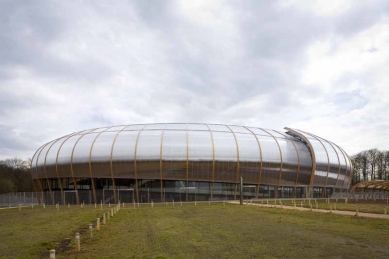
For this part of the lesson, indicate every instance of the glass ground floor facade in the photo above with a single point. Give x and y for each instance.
(145, 191)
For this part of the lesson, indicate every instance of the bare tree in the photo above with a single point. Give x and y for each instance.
(372, 157)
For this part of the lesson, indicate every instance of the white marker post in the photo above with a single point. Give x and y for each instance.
(91, 230)
(52, 254)
(78, 246)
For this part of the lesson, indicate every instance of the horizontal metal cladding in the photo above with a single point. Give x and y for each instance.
(195, 152)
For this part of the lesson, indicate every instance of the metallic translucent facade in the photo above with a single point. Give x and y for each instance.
(189, 152)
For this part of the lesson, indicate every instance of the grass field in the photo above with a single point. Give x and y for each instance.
(27, 234)
(196, 232)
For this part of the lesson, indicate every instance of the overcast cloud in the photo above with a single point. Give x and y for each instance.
(319, 66)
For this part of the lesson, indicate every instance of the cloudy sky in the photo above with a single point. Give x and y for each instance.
(319, 66)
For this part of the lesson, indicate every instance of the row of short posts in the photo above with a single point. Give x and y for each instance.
(106, 216)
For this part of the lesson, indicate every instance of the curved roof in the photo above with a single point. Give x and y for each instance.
(371, 185)
(196, 152)
(332, 166)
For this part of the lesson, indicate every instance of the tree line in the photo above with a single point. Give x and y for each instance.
(370, 165)
(15, 175)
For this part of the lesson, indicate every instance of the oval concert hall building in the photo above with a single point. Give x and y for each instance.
(187, 162)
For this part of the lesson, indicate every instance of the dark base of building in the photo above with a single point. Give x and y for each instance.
(146, 191)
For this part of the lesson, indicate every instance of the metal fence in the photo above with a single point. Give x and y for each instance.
(146, 195)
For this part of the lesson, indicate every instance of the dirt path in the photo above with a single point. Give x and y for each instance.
(341, 212)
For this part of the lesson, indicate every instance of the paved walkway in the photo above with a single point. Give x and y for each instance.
(340, 212)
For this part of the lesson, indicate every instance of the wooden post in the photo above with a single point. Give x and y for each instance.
(98, 224)
(44, 206)
(109, 205)
(173, 203)
(108, 215)
(78, 246)
(57, 207)
(104, 219)
(20, 206)
(69, 205)
(52, 254)
(152, 204)
(95, 206)
(101, 204)
(111, 212)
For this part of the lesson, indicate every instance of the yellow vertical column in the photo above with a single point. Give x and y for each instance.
(91, 171)
(237, 166)
(111, 165)
(260, 161)
(135, 166)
